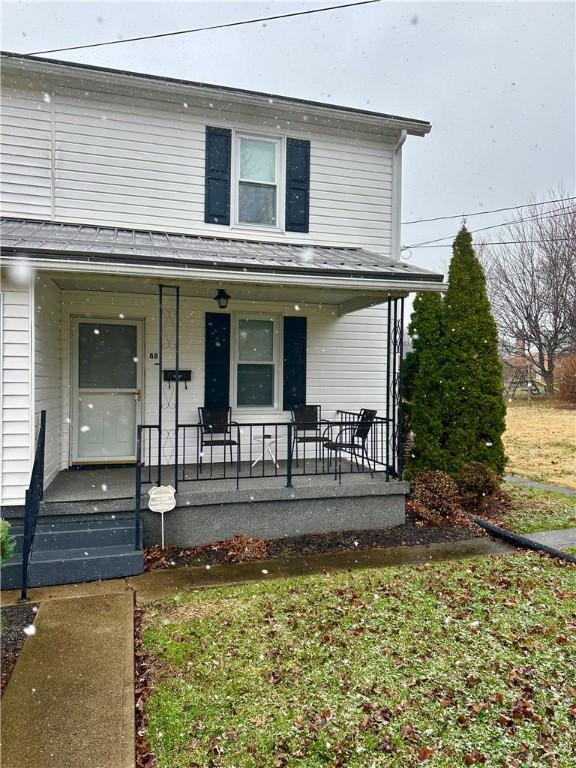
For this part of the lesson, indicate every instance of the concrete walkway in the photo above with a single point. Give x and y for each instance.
(560, 539)
(154, 585)
(517, 480)
(157, 584)
(70, 700)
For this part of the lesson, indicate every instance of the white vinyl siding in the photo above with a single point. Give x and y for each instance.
(120, 159)
(16, 397)
(27, 154)
(48, 368)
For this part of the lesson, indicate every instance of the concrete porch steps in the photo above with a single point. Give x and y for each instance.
(67, 551)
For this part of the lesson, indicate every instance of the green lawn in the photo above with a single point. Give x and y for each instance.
(450, 664)
(535, 510)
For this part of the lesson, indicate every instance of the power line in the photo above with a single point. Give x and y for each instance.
(499, 242)
(207, 29)
(492, 226)
(484, 213)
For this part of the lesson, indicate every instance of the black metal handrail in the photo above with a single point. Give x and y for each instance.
(255, 450)
(265, 450)
(34, 496)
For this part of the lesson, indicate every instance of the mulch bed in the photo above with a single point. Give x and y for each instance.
(243, 548)
(14, 619)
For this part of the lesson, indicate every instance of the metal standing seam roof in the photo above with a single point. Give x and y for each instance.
(87, 241)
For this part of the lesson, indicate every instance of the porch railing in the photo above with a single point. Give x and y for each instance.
(34, 496)
(281, 450)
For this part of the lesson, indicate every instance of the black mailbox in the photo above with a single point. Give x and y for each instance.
(169, 374)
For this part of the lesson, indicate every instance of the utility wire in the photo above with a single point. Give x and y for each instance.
(484, 213)
(499, 242)
(206, 29)
(492, 226)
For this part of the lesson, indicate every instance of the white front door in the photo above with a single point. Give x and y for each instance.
(106, 389)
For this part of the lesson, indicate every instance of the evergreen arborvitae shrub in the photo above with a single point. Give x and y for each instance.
(6, 541)
(426, 389)
(473, 395)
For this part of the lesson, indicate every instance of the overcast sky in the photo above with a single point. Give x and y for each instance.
(496, 80)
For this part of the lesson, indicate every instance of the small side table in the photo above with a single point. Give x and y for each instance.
(268, 444)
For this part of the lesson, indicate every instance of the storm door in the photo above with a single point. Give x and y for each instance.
(107, 389)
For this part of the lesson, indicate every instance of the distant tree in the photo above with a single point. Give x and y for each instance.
(532, 283)
(424, 383)
(473, 409)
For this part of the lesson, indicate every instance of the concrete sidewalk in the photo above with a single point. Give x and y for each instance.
(560, 539)
(70, 701)
(517, 480)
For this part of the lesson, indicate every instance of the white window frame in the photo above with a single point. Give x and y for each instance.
(235, 360)
(280, 142)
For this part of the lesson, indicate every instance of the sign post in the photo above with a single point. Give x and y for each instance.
(162, 499)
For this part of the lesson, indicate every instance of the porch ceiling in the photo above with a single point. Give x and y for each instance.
(206, 289)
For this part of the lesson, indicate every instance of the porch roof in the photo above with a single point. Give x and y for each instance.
(52, 241)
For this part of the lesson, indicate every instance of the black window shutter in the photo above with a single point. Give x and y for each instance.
(217, 175)
(217, 361)
(297, 185)
(294, 362)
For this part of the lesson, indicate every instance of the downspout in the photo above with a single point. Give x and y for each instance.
(397, 193)
(401, 140)
(522, 541)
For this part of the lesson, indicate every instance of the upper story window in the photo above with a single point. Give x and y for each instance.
(256, 181)
(258, 177)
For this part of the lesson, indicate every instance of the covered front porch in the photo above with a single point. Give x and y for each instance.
(125, 367)
(139, 337)
(132, 366)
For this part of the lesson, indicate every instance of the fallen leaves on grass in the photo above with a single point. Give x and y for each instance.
(460, 663)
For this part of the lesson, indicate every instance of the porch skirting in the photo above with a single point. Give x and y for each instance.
(273, 513)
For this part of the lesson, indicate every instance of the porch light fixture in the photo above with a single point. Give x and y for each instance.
(222, 298)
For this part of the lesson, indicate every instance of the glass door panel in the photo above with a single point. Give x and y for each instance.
(107, 390)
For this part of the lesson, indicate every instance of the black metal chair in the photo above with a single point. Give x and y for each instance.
(216, 431)
(351, 438)
(307, 423)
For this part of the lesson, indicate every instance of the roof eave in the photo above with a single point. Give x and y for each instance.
(412, 126)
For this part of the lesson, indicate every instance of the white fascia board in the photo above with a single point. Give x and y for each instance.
(151, 84)
(404, 285)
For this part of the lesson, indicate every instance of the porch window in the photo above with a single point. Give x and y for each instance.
(255, 362)
(257, 164)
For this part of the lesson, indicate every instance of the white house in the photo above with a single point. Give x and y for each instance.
(115, 184)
